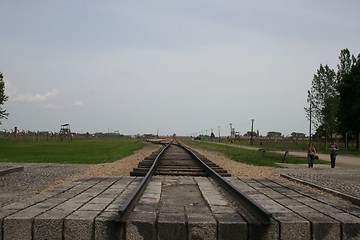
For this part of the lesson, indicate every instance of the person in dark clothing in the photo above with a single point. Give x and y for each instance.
(333, 152)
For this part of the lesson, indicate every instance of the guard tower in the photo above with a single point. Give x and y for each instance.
(65, 132)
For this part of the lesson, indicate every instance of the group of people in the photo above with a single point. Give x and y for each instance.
(311, 154)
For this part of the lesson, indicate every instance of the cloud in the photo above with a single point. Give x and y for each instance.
(28, 97)
(49, 106)
(75, 104)
(78, 104)
(10, 89)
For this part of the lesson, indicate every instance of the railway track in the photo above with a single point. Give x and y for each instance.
(177, 160)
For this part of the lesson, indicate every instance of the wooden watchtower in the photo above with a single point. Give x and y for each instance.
(65, 132)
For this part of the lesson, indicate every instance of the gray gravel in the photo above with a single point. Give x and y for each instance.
(343, 180)
(35, 177)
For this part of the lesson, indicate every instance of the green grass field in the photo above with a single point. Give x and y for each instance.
(77, 151)
(92, 151)
(300, 145)
(250, 156)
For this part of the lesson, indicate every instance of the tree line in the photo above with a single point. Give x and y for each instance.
(334, 99)
(3, 97)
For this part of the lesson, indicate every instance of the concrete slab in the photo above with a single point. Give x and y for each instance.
(18, 227)
(172, 225)
(293, 226)
(17, 206)
(79, 225)
(66, 208)
(141, 225)
(3, 214)
(201, 226)
(48, 226)
(350, 225)
(231, 226)
(323, 226)
(177, 207)
(19, 224)
(311, 207)
(145, 208)
(119, 200)
(107, 226)
(257, 230)
(211, 194)
(223, 209)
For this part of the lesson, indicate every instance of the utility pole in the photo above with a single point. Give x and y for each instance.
(309, 117)
(310, 125)
(219, 132)
(252, 130)
(230, 130)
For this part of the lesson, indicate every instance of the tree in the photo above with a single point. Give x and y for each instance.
(3, 97)
(322, 100)
(255, 134)
(329, 113)
(297, 135)
(347, 62)
(273, 134)
(349, 102)
(331, 106)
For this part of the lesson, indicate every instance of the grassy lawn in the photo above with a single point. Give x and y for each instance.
(77, 151)
(253, 157)
(298, 146)
(277, 145)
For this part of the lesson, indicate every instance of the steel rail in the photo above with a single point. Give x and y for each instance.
(260, 212)
(129, 205)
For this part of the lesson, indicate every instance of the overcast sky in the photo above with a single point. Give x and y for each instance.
(181, 66)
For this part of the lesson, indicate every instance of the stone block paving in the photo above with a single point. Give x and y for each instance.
(304, 214)
(178, 208)
(69, 211)
(342, 180)
(32, 178)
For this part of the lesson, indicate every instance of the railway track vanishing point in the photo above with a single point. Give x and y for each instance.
(177, 160)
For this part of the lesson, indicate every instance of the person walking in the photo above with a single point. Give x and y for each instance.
(333, 152)
(311, 153)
